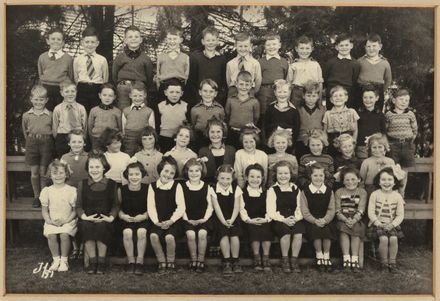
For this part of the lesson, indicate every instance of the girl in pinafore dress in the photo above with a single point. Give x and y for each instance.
(166, 205)
(350, 203)
(198, 211)
(97, 206)
(318, 209)
(254, 215)
(133, 215)
(228, 227)
(283, 206)
(58, 210)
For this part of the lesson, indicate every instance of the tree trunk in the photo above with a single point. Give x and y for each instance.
(198, 15)
(103, 19)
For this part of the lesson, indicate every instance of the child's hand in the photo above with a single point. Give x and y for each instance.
(106, 218)
(56, 222)
(288, 222)
(139, 218)
(166, 224)
(229, 223)
(192, 222)
(388, 227)
(204, 159)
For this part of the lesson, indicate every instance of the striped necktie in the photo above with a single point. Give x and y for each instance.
(73, 119)
(90, 68)
(241, 64)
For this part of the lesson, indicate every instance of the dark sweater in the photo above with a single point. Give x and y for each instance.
(288, 119)
(341, 72)
(139, 68)
(369, 123)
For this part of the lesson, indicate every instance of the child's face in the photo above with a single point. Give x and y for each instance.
(369, 99)
(401, 102)
(224, 179)
(207, 93)
(344, 47)
(55, 41)
(317, 177)
(69, 93)
(243, 86)
(115, 146)
(280, 144)
(183, 138)
(210, 41)
(96, 169)
(173, 93)
(304, 50)
(351, 181)
(271, 47)
(249, 143)
(283, 175)
(167, 174)
(347, 148)
(134, 176)
(107, 96)
(215, 134)
(339, 98)
(254, 178)
(133, 39)
(386, 181)
(194, 173)
(372, 48)
(310, 98)
(39, 101)
(76, 143)
(137, 97)
(243, 47)
(282, 93)
(90, 44)
(148, 142)
(58, 175)
(377, 149)
(316, 146)
(173, 41)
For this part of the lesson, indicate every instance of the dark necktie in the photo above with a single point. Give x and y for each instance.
(90, 68)
(52, 56)
(241, 64)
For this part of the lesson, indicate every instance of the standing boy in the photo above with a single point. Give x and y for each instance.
(374, 69)
(243, 62)
(342, 70)
(54, 66)
(90, 70)
(131, 65)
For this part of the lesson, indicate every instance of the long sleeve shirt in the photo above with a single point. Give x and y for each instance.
(250, 64)
(386, 208)
(100, 66)
(151, 201)
(62, 123)
(271, 204)
(53, 72)
(252, 193)
(243, 159)
(96, 186)
(401, 125)
(329, 215)
(378, 72)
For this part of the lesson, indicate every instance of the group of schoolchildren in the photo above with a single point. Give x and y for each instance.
(213, 177)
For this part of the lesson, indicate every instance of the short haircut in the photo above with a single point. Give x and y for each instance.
(186, 126)
(379, 138)
(132, 28)
(150, 131)
(109, 135)
(107, 86)
(174, 30)
(282, 133)
(303, 40)
(66, 83)
(279, 83)
(167, 160)
(54, 30)
(402, 92)
(272, 36)
(249, 131)
(343, 37)
(338, 88)
(337, 142)
(39, 90)
(318, 134)
(97, 154)
(59, 164)
(255, 166)
(194, 162)
(214, 121)
(284, 163)
(139, 86)
(242, 36)
(77, 132)
(374, 37)
(173, 82)
(370, 88)
(388, 170)
(315, 166)
(210, 82)
(135, 165)
(347, 170)
(90, 32)
(210, 30)
(225, 168)
(244, 76)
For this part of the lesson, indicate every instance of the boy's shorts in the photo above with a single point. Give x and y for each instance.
(39, 150)
(402, 151)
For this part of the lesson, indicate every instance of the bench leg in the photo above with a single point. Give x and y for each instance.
(361, 254)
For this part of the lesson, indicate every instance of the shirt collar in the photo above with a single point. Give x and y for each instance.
(66, 104)
(81, 153)
(310, 111)
(246, 57)
(167, 50)
(194, 187)
(348, 56)
(253, 191)
(90, 54)
(276, 56)
(219, 189)
(45, 111)
(211, 147)
(313, 188)
(167, 102)
(216, 53)
(290, 186)
(57, 53)
(106, 107)
(214, 104)
(163, 186)
(132, 53)
(133, 105)
(289, 106)
(404, 111)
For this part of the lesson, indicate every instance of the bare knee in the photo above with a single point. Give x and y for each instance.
(203, 234)
(65, 237)
(393, 240)
(127, 234)
(52, 238)
(141, 233)
(191, 235)
(169, 239)
(154, 238)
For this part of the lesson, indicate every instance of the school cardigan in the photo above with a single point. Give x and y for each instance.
(386, 208)
(339, 71)
(211, 169)
(53, 72)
